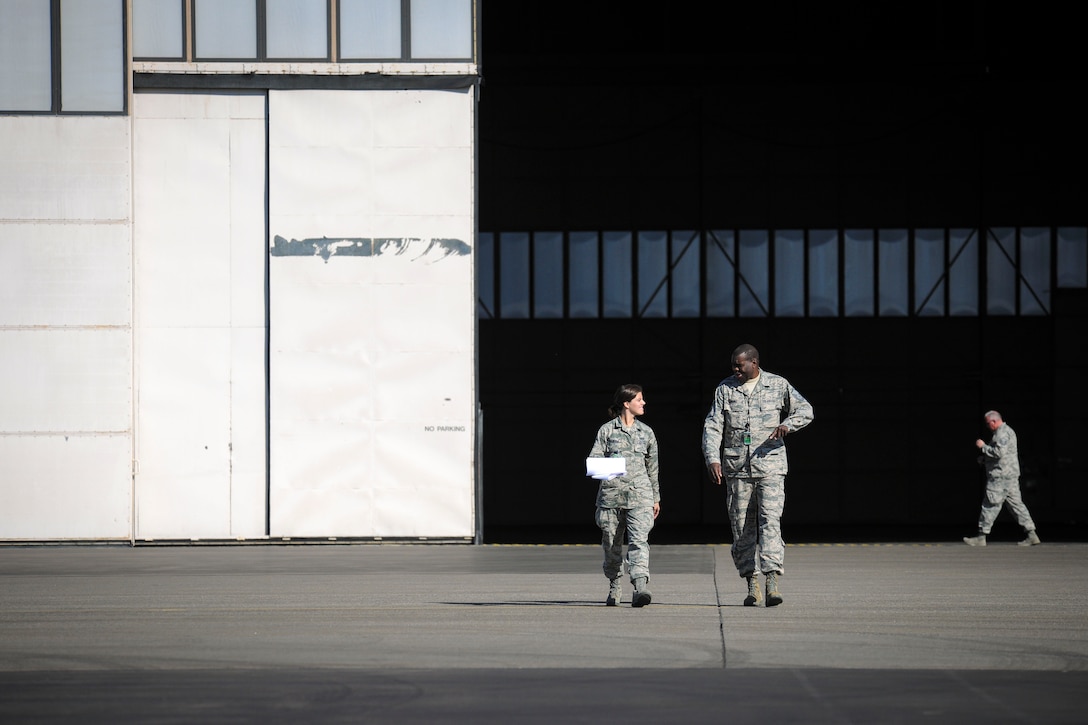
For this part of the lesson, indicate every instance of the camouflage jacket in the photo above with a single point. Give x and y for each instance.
(1000, 457)
(736, 417)
(638, 444)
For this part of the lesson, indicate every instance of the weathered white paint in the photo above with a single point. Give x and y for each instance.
(200, 320)
(372, 400)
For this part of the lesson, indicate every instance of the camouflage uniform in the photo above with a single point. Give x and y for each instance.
(736, 435)
(1001, 460)
(625, 504)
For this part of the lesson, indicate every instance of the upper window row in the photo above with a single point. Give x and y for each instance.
(778, 273)
(302, 30)
(69, 56)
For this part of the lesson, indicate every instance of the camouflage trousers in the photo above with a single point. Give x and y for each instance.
(1003, 491)
(755, 513)
(633, 525)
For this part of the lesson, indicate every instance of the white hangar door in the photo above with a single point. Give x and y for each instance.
(199, 310)
(371, 359)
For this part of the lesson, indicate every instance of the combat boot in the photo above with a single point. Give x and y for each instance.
(979, 540)
(615, 592)
(642, 595)
(755, 594)
(1031, 540)
(774, 598)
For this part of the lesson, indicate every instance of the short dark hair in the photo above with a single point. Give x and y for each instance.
(748, 351)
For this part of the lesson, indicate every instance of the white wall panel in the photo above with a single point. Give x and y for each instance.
(66, 487)
(438, 396)
(403, 487)
(248, 433)
(65, 328)
(248, 315)
(65, 274)
(183, 221)
(391, 332)
(183, 434)
(58, 380)
(372, 399)
(248, 248)
(414, 120)
(400, 170)
(64, 168)
(350, 167)
(200, 300)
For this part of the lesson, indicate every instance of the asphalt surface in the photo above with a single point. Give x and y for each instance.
(458, 633)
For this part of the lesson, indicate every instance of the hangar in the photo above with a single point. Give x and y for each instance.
(369, 270)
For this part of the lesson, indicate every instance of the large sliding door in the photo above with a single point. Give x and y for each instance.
(372, 317)
(200, 315)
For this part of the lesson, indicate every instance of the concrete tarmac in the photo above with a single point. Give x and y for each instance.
(425, 633)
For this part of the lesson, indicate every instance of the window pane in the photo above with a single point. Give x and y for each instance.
(963, 272)
(369, 29)
(583, 274)
(92, 55)
(225, 29)
(789, 273)
(720, 274)
(441, 29)
(157, 29)
(1034, 271)
(859, 248)
(929, 273)
(26, 82)
(1073, 257)
(653, 267)
(617, 274)
(823, 273)
(514, 275)
(485, 275)
(1001, 272)
(298, 29)
(893, 272)
(548, 274)
(754, 258)
(684, 280)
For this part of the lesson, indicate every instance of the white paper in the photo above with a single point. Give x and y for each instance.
(605, 469)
